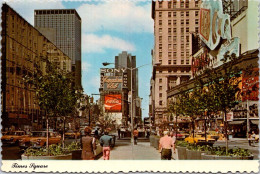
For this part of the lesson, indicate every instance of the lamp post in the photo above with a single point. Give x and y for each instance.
(131, 106)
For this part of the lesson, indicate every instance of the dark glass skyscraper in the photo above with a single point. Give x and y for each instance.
(67, 24)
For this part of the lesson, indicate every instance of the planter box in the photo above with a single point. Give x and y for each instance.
(59, 157)
(76, 154)
(205, 156)
(182, 155)
(193, 154)
(156, 142)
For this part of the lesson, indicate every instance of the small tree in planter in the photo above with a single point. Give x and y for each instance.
(225, 88)
(55, 93)
(177, 107)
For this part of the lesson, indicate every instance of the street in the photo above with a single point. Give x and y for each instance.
(124, 150)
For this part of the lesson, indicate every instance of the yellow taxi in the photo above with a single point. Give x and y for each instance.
(13, 137)
(38, 139)
(72, 134)
(199, 139)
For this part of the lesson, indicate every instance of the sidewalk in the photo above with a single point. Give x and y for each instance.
(125, 151)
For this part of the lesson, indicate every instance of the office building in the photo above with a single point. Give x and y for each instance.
(174, 21)
(24, 50)
(67, 25)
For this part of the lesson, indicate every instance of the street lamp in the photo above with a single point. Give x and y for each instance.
(131, 106)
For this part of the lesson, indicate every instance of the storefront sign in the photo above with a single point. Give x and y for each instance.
(199, 62)
(230, 116)
(113, 103)
(113, 83)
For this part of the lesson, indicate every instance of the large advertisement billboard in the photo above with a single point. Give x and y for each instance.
(250, 84)
(112, 83)
(113, 103)
(112, 79)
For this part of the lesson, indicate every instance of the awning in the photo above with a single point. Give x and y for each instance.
(255, 122)
(236, 122)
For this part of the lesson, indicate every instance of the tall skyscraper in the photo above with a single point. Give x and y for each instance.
(174, 21)
(126, 60)
(67, 25)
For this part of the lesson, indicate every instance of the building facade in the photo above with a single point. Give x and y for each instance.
(174, 21)
(240, 39)
(67, 25)
(115, 89)
(24, 50)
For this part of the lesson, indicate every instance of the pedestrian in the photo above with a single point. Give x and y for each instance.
(135, 136)
(118, 132)
(172, 135)
(96, 133)
(165, 145)
(249, 138)
(105, 142)
(88, 144)
(253, 137)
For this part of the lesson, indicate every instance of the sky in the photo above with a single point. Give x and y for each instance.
(108, 28)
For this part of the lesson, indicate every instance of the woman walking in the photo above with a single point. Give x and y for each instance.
(88, 144)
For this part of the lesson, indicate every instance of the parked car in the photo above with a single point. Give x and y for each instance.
(199, 139)
(38, 139)
(72, 134)
(13, 137)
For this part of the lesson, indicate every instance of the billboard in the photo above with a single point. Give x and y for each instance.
(113, 103)
(112, 83)
(112, 79)
(250, 84)
(215, 32)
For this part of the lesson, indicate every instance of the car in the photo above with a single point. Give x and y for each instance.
(72, 134)
(199, 139)
(181, 135)
(13, 137)
(213, 135)
(38, 139)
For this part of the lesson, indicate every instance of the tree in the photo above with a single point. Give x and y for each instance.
(55, 93)
(224, 87)
(177, 107)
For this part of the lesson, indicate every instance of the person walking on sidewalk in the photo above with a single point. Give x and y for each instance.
(118, 132)
(165, 145)
(105, 142)
(174, 140)
(135, 136)
(88, 144)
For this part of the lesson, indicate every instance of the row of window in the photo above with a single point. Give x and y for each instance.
(174, 30)
(174, 46)
(178, 4)
(182, 14)
(182, 22)
(174, 62)
(174, 54)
